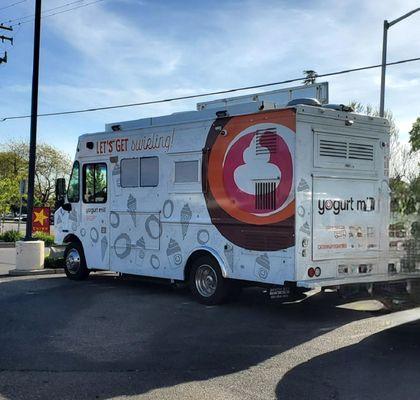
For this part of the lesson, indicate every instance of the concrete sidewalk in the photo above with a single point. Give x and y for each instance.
(7, 260)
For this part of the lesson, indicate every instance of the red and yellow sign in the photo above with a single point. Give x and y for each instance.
(41, 220)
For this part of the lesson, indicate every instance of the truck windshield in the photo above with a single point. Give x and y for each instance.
(74, 184)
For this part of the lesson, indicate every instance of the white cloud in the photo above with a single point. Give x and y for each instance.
(130, 51)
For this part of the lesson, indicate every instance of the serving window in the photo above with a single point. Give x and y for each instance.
(186, 171)
(140, 172)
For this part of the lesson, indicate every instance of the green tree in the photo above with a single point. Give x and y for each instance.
(12, 165)
(404, 176)
(51, 164)
(415, 135)
(9, 195)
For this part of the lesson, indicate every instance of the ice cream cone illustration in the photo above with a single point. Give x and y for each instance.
(186, 215)
(174, 254)
(104, 246)
(140, 252)
(73, 219)
(132, 207)
(262, 266)
(229, 255)
(116, 179)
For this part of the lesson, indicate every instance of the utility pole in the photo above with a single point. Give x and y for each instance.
(3, 38)
(34, 114)
(387, 25)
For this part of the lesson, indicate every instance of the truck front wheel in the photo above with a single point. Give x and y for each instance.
(207, 283)
(75, 262)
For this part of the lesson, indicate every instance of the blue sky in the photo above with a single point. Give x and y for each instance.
(120, 51)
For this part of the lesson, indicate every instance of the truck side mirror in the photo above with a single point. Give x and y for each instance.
(60, 192)
(66, 206)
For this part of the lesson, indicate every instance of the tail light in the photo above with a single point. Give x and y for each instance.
(311, 272)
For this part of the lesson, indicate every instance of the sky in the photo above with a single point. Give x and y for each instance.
(123, 51)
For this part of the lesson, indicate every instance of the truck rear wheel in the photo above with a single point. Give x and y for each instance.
(207, 283)
(75, 262)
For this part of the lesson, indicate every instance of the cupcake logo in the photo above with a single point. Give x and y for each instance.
(174, 253)
(251, 179)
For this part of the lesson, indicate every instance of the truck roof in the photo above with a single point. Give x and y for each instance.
(234, 110)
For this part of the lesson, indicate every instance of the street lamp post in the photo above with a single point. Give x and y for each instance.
(387, 25)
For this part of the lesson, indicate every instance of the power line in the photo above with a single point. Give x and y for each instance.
(45, 12)
(13, 4)
(50, 9)
(193, 96)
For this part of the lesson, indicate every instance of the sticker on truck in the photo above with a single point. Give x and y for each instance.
(346, 218)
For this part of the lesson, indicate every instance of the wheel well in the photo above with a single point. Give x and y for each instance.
(72, 239)
(196, 254)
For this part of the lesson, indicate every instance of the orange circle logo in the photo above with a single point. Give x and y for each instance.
(250, 175)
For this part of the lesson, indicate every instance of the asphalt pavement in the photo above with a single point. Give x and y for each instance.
(108, 338)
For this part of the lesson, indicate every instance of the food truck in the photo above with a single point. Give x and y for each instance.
(240, 191)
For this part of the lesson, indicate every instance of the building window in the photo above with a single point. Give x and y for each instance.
(94, 183)
(73, 189)
(186, 171)
(149, 171)
(130, 172)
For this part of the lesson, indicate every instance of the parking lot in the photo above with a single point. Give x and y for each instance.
(109, 337)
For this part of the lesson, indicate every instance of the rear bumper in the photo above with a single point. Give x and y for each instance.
(376, 278)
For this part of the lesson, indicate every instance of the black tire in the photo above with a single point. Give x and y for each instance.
(75, 262)
(218, 287)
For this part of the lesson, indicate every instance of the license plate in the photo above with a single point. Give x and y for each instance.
(279, 292)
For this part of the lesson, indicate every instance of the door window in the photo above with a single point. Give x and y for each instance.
(94, 183)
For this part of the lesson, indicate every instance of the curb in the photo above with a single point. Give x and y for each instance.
(17, 272)
(7, 245)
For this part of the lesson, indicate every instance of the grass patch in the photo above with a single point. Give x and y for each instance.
(47, 239)
(11, 236)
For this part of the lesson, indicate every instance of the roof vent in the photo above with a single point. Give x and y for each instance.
(339, 107)
(304, 101)
(116, 128)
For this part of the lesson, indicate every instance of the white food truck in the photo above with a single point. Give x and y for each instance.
(242, 190)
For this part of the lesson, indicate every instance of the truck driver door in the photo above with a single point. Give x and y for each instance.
(95, 209)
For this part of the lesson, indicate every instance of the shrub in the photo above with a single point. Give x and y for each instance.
(51, 262)
(47, 239)
(11, 236)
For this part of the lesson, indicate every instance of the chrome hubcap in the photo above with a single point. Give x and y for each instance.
(73, 261)
(206, 280)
